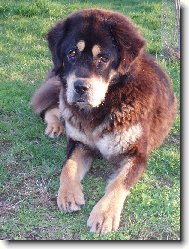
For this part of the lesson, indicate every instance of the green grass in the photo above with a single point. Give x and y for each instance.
(31, 163)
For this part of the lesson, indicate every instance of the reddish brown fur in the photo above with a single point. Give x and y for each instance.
(142, 96)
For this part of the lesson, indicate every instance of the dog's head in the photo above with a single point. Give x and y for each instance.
(91, 49)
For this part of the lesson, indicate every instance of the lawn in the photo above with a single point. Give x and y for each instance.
(31, 162)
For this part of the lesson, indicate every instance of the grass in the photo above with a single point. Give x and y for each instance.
(31, 163)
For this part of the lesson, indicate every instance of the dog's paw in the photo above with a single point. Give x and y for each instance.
(54, 129)
(104, 217)
(70, 198)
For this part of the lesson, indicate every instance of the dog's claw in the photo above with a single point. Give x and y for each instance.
(62, 208)
(97, 226)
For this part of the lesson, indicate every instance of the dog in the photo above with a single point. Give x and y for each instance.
(114, 100)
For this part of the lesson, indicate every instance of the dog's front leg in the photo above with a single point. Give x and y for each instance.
(54, 125)
(105, 216)
(70, 195)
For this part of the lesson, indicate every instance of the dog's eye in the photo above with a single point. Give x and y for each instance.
(102, 59)
(72, 54)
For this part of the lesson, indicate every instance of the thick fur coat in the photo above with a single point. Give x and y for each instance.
(115, 101)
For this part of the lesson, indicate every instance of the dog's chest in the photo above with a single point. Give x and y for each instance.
(79, 134)
(109, 144)
(118, 142)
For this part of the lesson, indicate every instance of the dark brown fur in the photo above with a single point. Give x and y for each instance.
(142, 94)
(47, 96)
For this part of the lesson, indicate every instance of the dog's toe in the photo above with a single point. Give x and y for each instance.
(104, 218)
(54, 130)
(70, 199)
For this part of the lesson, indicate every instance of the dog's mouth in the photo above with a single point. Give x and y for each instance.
(83, 105)
(87, 101)
(80, 100)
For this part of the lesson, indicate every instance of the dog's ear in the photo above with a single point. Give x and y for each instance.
(128, 40)
(55, 37)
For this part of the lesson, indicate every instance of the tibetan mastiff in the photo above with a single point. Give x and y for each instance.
(113, 99)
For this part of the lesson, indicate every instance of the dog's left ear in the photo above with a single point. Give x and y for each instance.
(128, 40)
(55, 37)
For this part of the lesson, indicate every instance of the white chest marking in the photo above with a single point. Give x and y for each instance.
(117, 142)
(109, 144)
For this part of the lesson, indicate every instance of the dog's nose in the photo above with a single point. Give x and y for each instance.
(80, 87)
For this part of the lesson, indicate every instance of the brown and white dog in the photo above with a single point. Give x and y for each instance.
(115, 101)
